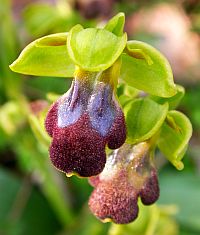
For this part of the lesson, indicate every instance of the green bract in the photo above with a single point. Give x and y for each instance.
(144, 117)
(145, 68)
(174, 137)
(94, 49)
(46, 56)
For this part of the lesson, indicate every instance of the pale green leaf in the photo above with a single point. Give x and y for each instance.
(144, 117)
(145, 68)
(46, 56)
(174, 137)
(94, 49)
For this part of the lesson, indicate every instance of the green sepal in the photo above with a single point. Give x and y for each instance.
(145, 68)
(116, 24)
(46, 56)
(173, 101)
(94, 49)
(174, 137)
(144, 117)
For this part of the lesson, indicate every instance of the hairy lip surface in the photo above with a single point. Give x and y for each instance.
(129, 174)
(82, 122)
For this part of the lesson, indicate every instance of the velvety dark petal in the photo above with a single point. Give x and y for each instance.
(150, 191)
(81, 123)
(115, 200)
(128, 174)
(78, 149)
(117, 133)
(51, 119)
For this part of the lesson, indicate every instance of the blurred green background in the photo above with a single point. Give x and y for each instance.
(35, 199)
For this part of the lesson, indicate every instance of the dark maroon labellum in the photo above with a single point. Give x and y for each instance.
(114, 200)
(81, 123)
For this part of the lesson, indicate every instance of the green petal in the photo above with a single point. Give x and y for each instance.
(46, 56)
(94, 49)
(174, 137)
(145, 68)
(116, 24)
(144, 117)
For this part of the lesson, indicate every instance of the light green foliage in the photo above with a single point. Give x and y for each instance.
(145, 68)
(175, 134)
(182, 189)
(43, 18)
(144, 117)
(23, 210)
(94, 49)
(46, 56)
(40, 18)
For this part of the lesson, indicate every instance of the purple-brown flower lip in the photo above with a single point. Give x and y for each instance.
(82, 122)
(128, 175)
(114, 200)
